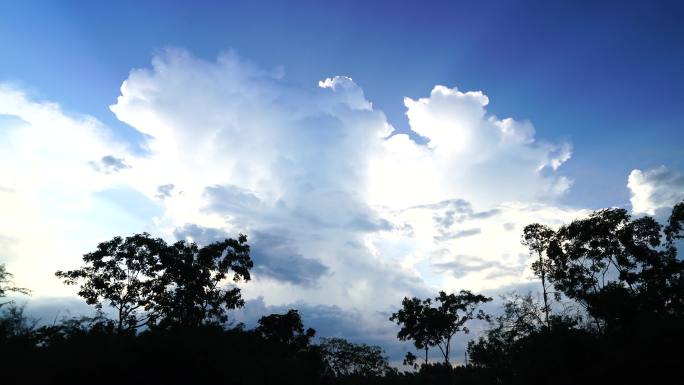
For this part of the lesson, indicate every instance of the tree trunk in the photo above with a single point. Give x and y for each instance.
(546, 301)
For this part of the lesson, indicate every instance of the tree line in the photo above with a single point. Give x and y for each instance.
(610, 309)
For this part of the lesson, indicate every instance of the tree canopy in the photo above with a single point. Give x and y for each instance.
(346, 359)
(433, 322)
(286, 329)
(7, 285)
(151, 283)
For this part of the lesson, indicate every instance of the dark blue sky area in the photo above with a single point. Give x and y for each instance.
(606, 77)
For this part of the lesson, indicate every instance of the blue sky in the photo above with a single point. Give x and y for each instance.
(615, 65)
(222, 126)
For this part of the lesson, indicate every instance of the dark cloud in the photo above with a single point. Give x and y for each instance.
(164, 191)
(229, 199)
(338, 211)
(199, 234)
(454, 211)
(109, 164)
(275, 256)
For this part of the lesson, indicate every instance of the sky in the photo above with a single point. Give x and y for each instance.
(369, 150)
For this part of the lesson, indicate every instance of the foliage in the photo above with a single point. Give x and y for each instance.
(412, 317)
(150, 283)
(434, 322)
(345, 359)
(624, 272)
(286, 329)
(628, 280)
(537, 239)
(14, 325)
(123, 273)
(618, 268)
(7, 285)
(193, 282)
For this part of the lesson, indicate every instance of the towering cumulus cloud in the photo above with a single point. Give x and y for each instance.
(319, 167)
(340, 209)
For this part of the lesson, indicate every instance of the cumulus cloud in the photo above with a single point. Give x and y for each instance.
(342, 211)
(469, 155)
(658, 188)
(473, 249)
(316, 175)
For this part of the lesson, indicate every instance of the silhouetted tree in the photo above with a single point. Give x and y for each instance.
(436, 325)
(15, 325)
(451, 315)
(537, 238)
(412, 317)
(410, 360)
(286, 329)
(7, 285)
(675, 224)
(123, 273)
(194, 281)
(71, 329)
(510, 344)
(344, 358)
(151, 283)
(618, 267)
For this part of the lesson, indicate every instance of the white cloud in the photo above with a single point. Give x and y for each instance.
(48, 200)
(658, 188)
(469, 155)
(451, 245)
(320, 166)
(342, 212)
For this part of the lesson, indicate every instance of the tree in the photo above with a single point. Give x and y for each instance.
(193, 280)
(151, 283)
(286, 329)
(520, 348)
(123, 273)
(7, 285)
(451, 316)
(537, 238)
(344, 358)
(618, 268)
(675, 224)
(429, 325)
(414, 326)
(15, 326)
(410, 360)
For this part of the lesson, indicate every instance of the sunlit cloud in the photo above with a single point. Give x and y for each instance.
(344, 213)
